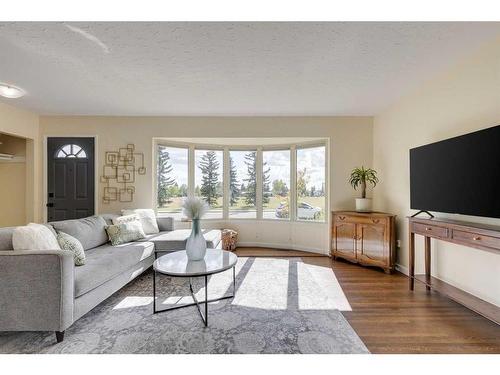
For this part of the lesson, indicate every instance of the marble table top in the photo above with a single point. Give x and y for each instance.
(177, 263)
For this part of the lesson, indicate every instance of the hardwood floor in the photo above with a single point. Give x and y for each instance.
(266, 252)
(391, 319)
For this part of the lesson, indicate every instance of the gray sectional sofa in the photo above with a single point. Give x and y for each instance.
(45, 291)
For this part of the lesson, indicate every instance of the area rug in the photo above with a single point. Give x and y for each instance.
(282, 305)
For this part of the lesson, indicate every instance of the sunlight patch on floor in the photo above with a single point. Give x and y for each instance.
(133, 301)
(265, 285)
(327, 293)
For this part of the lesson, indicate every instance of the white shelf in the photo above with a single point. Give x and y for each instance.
(15, 159)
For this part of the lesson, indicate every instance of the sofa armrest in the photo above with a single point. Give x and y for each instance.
(165, 224)
(37, 289)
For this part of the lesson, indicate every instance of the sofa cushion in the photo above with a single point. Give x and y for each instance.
(108, 218)
(165, 223)
(105, 262)
(6, 238)
(176, 239)
(89, 231)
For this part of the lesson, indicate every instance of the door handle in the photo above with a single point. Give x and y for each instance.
(50, 204)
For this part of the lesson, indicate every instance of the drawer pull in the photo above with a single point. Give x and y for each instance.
(375, 221)
(476, 238)
(342, 217)
(428, 228)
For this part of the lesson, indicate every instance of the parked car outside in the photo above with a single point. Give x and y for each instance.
(304, 211)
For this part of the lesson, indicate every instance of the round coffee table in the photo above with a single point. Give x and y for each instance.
(176, 264)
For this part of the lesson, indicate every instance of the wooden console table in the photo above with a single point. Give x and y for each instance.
(479, 236)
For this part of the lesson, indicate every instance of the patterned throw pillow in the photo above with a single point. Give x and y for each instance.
(125, 232)
(70, 243)
(125, 219)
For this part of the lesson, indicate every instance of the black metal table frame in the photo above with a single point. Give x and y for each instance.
(204, 317)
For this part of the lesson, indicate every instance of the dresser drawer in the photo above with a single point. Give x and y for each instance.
(430, 230)
(360, 219)
(475, 239)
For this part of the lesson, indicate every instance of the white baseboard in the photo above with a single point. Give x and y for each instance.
(283, 247)
(402, 269)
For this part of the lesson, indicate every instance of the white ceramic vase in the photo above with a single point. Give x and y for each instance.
(196, 245)
(363, 204)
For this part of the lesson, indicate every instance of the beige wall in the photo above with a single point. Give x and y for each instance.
(350, 139)
(465, 99)
(12, 181)
(24, 124)
(12, 194)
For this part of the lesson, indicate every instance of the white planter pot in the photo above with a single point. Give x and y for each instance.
(363, 204)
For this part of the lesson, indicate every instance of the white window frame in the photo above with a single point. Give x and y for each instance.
(154, 168)
(303, 146)
(293, 147)
(203, 147)
(290, 148)
(257, 179)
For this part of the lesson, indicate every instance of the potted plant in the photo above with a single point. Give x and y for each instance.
(360, 177)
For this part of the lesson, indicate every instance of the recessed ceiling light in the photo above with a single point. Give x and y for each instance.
(10, 92)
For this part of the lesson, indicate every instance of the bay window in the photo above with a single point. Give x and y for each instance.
(269, 182)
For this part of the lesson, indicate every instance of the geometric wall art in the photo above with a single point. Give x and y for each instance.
(119, 173)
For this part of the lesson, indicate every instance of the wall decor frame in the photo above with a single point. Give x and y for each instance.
(119, 173)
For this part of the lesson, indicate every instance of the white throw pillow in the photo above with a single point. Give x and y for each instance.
(147, 218)
(34, 237)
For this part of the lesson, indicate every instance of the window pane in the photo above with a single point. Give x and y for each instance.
(242, 184)
(311, 184)
(71, 151)
(172, 177)
(208, 180)
(276, 184)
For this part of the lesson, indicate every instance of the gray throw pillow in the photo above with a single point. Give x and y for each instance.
(125, 232)
(70, 243)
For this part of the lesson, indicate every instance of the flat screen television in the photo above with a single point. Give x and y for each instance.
(460, 175)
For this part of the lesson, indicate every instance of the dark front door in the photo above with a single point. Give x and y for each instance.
(70, 178)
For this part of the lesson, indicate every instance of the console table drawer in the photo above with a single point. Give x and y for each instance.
(475, 239)
(430, 230)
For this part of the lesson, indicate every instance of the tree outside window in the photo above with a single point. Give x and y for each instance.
(208, 180)
(172, 180)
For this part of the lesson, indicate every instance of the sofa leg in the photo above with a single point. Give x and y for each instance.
(59, 336)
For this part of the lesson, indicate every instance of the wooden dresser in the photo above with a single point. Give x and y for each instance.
(364, 238)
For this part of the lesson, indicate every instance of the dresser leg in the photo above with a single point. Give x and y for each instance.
(428, 262)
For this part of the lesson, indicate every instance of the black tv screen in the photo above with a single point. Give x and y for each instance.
(459, 175)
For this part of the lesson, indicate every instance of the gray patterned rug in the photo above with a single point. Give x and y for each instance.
(282, 305)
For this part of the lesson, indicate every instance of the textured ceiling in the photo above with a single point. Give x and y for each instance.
(227, 68)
